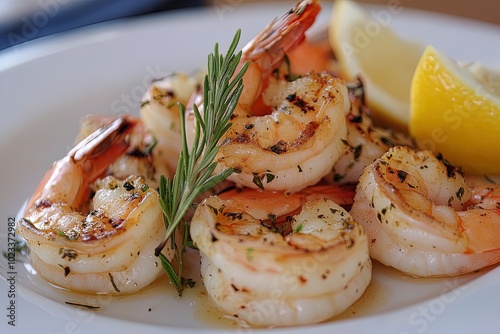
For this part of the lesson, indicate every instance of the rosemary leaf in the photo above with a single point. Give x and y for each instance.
(194, 174)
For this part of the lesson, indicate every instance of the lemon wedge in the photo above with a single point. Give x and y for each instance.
(366, 46)
(455, 110)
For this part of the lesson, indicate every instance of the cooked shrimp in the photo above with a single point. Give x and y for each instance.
(286, 132)
(313, 54)
(297, 144)
(277, 259)
(421, 217)
(107, 245)
(160, 114)
(142, 157)
(366, 142)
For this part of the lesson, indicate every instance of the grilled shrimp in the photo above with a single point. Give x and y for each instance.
(422, 218)
(100, 243)
(277, 259)
(141, 158)
(160, 114)
(286, 132)
(313, 54)
(366, 142)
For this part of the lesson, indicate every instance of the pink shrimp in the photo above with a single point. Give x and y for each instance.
(422, 217)
(278, 259)
(102, 242)
(287, 131)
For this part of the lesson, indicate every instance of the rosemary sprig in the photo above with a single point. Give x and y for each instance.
(194, 174)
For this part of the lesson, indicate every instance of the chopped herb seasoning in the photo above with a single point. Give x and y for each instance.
(128, 186)
(214, 238)
(257, 181)
(289, 76)
(279, 147)
(66, 270)
(299, 228)
(68, 253)
(338, 177)
(357, 151)
(450, 169)
(283, 228)
(249, 254)
(402, 175)
(387, 141)
(269, 177)
(151, 146)
(234, 215)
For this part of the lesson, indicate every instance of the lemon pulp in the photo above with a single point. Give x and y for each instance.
(456, 111)
(366, 46)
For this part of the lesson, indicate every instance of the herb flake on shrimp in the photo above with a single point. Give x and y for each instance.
(194, 173)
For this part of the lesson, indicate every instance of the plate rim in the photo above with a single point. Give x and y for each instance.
(34, 44)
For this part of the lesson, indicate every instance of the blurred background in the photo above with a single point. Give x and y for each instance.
(24, 20)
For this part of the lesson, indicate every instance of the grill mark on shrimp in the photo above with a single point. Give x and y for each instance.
(299, 102)
(306, 134)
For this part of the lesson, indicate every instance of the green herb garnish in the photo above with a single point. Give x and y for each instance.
(460, 193)
(257, 181)
(298, 228)
(194, 173)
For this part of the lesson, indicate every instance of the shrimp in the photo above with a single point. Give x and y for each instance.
(142, 157)
(286, 132)
(107, 245)
(422, 218)
(278, 259)
(313, 54)
(160, 114)
(365, 142)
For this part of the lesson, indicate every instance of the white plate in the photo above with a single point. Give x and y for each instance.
(47, 86)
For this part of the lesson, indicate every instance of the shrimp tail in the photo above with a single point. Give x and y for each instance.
(102, 147)
(86, 162)
(282, 35)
